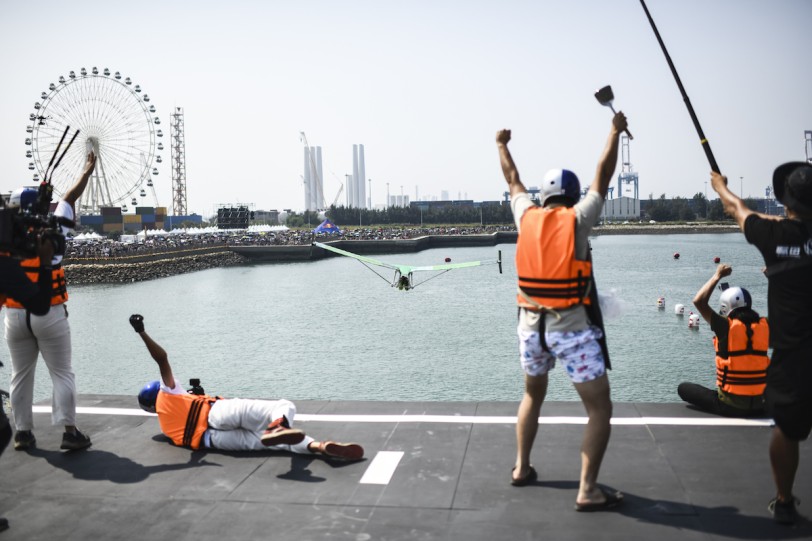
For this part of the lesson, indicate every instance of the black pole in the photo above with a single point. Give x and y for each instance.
(48, 169)
(702, 139)
(72, 139)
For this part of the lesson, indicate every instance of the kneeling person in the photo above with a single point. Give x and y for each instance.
(233, 424)
(741, 341)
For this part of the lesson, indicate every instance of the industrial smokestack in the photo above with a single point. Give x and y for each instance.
(361, 189)
(352, 191)
(306, 179)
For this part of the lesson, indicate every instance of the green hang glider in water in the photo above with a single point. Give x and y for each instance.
(403, 273)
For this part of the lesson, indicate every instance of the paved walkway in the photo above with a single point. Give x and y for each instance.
(433, 471)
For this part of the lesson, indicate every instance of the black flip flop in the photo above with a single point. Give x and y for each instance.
(526, 480)
(612, 500)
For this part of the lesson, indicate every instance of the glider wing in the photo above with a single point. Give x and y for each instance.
(362, 258)
(449, 266)
(406, 269)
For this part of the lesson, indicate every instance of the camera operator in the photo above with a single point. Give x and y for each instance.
(28, 334)
(36, 297)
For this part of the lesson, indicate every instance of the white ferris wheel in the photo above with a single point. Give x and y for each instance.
(115, 119)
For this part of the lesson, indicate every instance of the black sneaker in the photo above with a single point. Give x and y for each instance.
(24, 440)
(74, 441)
(784, 512)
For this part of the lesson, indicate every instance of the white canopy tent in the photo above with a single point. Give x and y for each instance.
(84, 237)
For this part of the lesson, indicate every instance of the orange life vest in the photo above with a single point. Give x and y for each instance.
(184, 417)
(59, 294)
(741, 364)
(549, 273)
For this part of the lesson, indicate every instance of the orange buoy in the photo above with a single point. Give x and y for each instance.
(448, 260)
(716, 259)
(676, 255)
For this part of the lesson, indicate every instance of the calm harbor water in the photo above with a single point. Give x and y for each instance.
(333, 330)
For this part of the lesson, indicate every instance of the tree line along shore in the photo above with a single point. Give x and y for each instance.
(183, 259)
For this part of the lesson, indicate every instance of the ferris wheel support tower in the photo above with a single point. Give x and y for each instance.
(178, 163)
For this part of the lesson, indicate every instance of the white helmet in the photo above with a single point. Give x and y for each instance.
(732, 298)
(23, 198)
(560, 182)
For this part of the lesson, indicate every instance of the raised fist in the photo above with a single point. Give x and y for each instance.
(137, 321)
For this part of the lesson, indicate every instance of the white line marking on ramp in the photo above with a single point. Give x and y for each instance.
(382, 468)
(100, 411)
(465, 419)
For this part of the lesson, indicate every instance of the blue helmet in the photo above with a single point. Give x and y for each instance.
(23, 198)
(148, 396)
(560, 183)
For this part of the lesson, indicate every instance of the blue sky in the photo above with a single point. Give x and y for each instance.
(425, 85)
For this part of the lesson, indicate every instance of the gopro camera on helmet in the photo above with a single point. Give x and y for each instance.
(196, 388)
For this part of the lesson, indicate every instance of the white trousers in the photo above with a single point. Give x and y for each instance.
(49, 335)
(236, 424)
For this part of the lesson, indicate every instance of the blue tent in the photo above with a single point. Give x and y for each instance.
(327, 227)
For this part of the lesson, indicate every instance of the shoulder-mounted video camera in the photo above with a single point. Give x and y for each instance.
(29, 218)
(20, 230)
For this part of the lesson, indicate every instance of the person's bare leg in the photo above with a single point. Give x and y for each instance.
(535, 389)
(595, 396)
(784, 454)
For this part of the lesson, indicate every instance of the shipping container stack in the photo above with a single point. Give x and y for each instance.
(93, 222)
(160, 217)
(147, 215)
(132, 223)
(111, 219)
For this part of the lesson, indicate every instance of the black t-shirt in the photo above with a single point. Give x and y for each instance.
(720, 328)
(789, 297)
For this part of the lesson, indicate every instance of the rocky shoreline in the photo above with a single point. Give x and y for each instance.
(664, 229)
(125, 273)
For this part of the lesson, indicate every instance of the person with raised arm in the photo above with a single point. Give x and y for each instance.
(786, 246)
(196, 420)
(559, 316)
(28, 334)
(741, 338)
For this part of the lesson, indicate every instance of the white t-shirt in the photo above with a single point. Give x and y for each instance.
(587, 213)
(177, 390)
(63, 210)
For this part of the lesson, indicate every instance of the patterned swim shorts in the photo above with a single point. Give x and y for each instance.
(579, 351)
